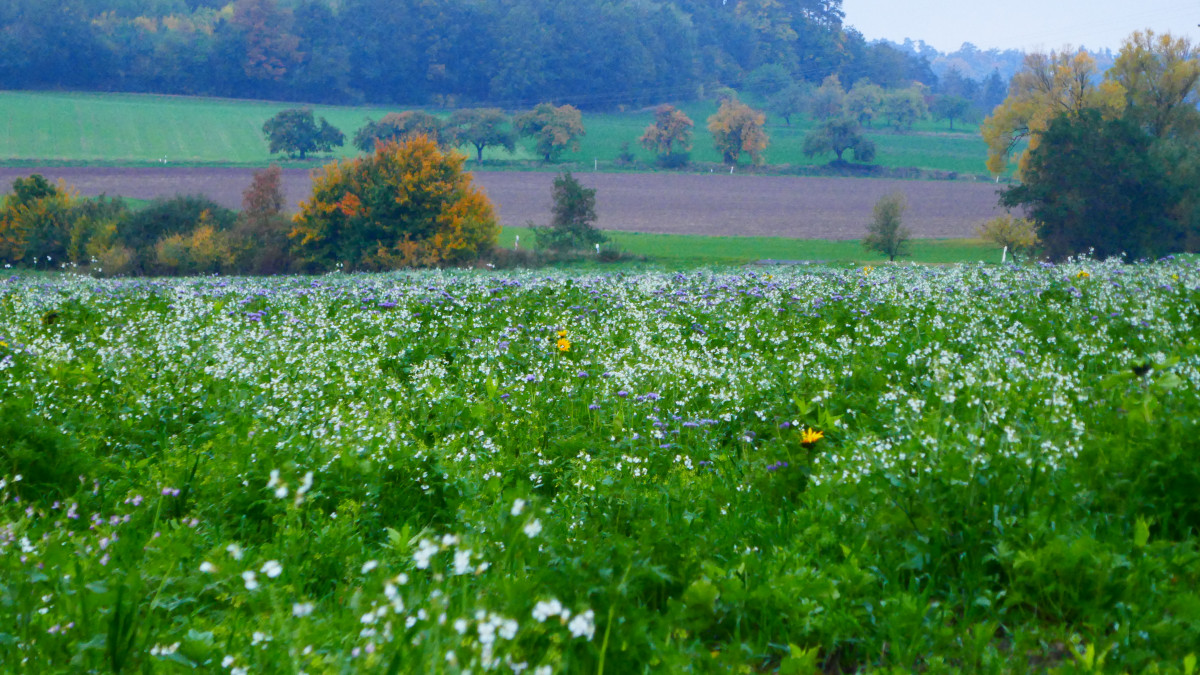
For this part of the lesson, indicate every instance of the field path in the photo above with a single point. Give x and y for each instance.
(709, 204)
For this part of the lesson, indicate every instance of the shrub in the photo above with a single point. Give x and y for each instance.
(93, 226)
(574, 216)
(1018, 235)
(886, 234)
(260, 237)
(738, 128)
(34, 221)
(180, 214)
(407, 204)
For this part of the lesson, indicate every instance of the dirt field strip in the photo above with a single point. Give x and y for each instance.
(707, 204)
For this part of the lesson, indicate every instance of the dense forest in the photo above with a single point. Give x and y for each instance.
(593, 54)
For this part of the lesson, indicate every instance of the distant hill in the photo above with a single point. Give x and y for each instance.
(976, 64)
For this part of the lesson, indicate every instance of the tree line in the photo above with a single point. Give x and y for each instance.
(452, 53)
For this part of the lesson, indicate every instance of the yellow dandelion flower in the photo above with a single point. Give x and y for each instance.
(868, 269)
(1082, 274)
(564, 345)
(562, 333)
(810, 436)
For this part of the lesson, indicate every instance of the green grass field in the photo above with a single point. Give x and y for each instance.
(679, 250)
(146, 129)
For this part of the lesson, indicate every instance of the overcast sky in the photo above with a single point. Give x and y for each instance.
(1020, 24)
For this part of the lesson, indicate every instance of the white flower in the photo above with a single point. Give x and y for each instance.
(545, 609)
(543, 670)
(207, 567)
(518, 506)
(251, 580)
(583, 625)
(460, 625)
(235, 551)
(462, 561)
(274, 479)
(508, 629)
(533, 528)
(272, 568)
(305, 484)
(300, 609)
(425, 551)
(259, 636)
(369, 565)
(227, 661)
(281, 492)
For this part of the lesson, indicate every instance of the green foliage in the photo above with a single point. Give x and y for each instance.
(1004, 481)
(400, 126)
(553, 128)
(838, 136)
(864, 102)
(902, 108)
(950, 108)
(1096, 185)
(297, 133)
(174, 217)
(481, 128)
(791, 100)
(828, 100)
(886, 233)
(573, 219)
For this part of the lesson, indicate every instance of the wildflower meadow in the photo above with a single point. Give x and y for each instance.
(984, 469)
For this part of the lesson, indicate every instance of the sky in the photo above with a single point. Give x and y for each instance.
(1021, 24)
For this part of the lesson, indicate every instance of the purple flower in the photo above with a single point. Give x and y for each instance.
(594, 406)
(777, 466)
(622, 393)
(582, 373)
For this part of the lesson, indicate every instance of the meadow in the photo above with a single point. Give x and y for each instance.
(132, 129)
(830, 469)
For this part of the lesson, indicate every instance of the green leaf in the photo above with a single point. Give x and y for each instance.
(1141, 533)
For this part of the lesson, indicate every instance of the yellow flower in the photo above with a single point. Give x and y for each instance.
(562, 333)
(810, 436)
(1082, 274)
(868, 269)
(563, 344)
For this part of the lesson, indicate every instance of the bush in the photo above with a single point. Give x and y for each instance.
(574, 217)
(260, 237)
(408, 204)
(180, 214)
(886, 234)
(1018, 235)
(34, 221)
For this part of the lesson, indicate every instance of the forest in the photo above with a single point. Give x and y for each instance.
(593, 54)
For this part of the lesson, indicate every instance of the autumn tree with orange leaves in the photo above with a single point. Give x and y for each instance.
(738, 128)
(670, 137)
(408, 204)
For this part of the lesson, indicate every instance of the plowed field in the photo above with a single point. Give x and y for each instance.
(712, 204)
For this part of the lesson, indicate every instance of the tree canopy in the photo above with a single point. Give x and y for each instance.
(297, 133)
(554, 129)
(737, 128)
(406, 204)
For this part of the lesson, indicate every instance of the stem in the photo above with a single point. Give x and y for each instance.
(604, 643)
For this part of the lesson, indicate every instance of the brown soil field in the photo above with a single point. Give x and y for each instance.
(709, 204)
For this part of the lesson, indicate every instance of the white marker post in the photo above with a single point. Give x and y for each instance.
(518, 243)
(1004, 255)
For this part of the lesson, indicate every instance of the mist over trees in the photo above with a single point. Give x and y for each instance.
(510, 54)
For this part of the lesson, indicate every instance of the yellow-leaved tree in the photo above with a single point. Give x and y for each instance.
(738, 128)
(1047, 86)
(1160, 76)
(407, 204)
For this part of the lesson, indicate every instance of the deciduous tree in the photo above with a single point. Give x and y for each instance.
(791, 100)
(553, 128)
(1160, 76)
(408, 203)
(1095, 184)
(1018, 235)
(738, 128)
(838, 136)
(864, 101)
(398, 126)
(950, 108)
(670, 135)
(903, 107)
(886, 233)
(572, 225)
(1048, 86)
(297, 133)
(34, 221)
(482, 128)
(828, 100)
